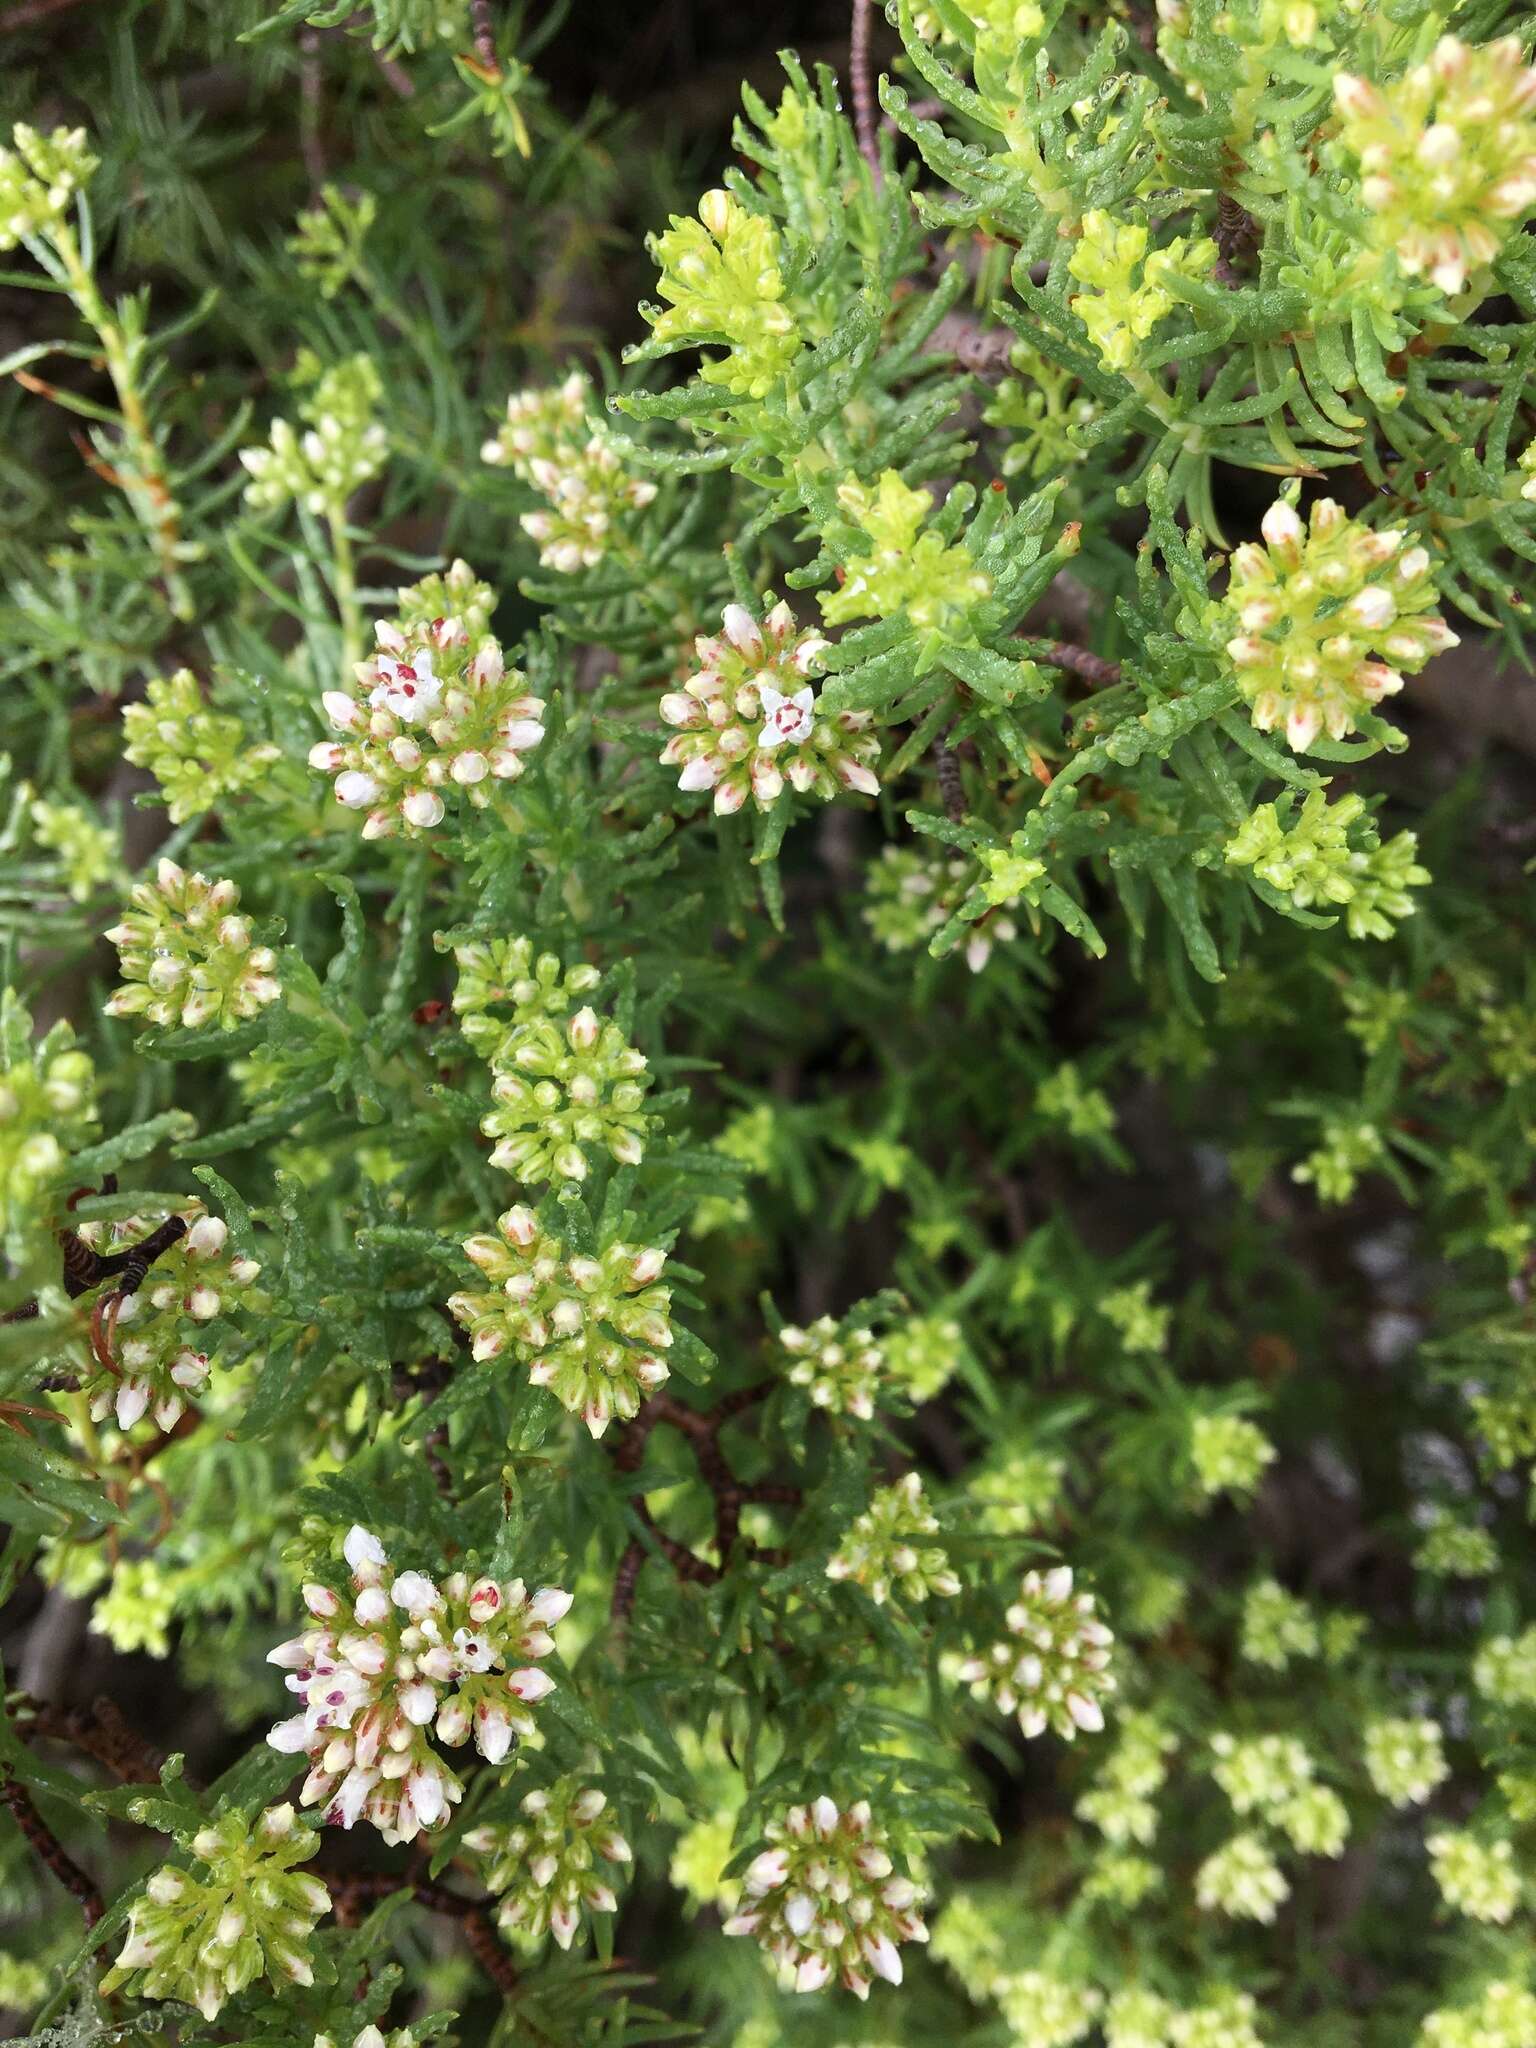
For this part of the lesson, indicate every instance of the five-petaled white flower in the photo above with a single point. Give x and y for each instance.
(408, 688)
(786, 719)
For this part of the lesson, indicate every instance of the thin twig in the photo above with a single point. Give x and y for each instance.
(484, 30)
(311, 145)
(946, 763)
(395, 76)
(862, 87)
(702, 1427)
(1077, 661)
(50, 1849)
(30, 13)
(351, 1893)
(99, 1732)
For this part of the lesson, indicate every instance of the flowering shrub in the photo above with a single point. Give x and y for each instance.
(767, 1059)
(413, 1657)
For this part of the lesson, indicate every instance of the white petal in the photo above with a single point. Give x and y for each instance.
(700, 773)
(741, 630)
(361, 1548)
(132, 1400)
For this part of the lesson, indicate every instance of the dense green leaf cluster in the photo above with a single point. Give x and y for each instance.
(764, 1157)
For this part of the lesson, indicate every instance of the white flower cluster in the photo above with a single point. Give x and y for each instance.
(1477, 1878)
(1119, 1803)
(194, 1281)
(1262, 1772)
(841, 1368)
(1405, 1759)
(202, 1940)
(1228, 1453)
(588, 1328)
(543, 1865)
(397, 1656)
(1277, 1626)
(39, 178)
(1447, 156)
(186, 954)
(881, 1552)
(824, 1900)
(909, 893)
(747, 721)
(435, 710)
(1143, 2019)
(1046, 2011)
(550, 441)
(1504, 1669)
(563, 1085)
(1272, 1776)
(1052, 1668)
(1242, 1879)
(1503, 2017)
(370, 2037)
(338, 448)
(923, 1355)
(1331, 615)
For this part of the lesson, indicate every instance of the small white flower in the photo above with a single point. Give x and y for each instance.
(550, 1604)
(132, 1401)
(415, 1592)
(363, 1551)
(475, 1653)
(356, 789)
(423, 807)
(787, 720)
(409, 689)
(530, 1684)
(493, 1732)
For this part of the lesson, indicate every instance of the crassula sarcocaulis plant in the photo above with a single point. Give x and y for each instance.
(766, 1234)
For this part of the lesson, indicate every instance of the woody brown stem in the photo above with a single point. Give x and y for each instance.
(311, 143)
(99, 1732)
(861, 86)
(30, 13)
(946, 763)
(85, 1268)
(702, 1427)
(1077, 661)
(484, 31)
(350, 1894)
(50, 1850)
(1237, 236)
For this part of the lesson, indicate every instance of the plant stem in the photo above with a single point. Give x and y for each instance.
(144, 483)
(344, 584)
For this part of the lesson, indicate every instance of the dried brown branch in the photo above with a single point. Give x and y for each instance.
(484, 30)
(946, 765)
(30, 13)
(311, 141)
(862, 88)
(99, 1732)
(351, 1894)
(85, 1268)
(1077, 661)
(395, 76)
(702, 1428)
(49, 1849)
